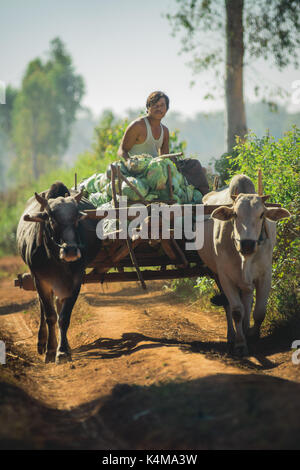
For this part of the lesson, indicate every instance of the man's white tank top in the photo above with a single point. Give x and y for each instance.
(151, 145)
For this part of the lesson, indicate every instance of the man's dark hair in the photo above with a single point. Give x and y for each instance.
(154, 97)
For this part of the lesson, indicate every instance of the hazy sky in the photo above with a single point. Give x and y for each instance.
(123, 49)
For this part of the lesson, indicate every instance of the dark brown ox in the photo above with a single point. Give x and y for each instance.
(57, 242)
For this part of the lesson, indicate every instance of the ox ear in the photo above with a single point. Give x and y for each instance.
(78, 196)
(277, 213)
(223, 213)
(38, 217)
(264, 198)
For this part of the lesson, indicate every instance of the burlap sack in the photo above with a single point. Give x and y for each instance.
(191, 168)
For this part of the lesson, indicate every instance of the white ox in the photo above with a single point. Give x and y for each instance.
(238, 247)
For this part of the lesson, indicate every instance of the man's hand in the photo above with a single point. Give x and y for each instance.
(123, 154)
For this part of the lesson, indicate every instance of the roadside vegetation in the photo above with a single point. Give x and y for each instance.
(280, 164)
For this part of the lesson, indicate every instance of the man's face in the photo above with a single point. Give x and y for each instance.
(158, 110)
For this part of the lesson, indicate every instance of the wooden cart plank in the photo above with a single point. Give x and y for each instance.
(148, 275)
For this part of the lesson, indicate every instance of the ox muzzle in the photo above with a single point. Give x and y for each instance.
(246, 247)
(69, 253)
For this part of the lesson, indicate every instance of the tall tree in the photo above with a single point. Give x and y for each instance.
(267, 29)
(44, 111)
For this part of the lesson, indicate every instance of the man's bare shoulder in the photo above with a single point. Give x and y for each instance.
(166, 130)
(138, 123)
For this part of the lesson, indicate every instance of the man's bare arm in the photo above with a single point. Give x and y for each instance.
(128, 140)
(165, 145)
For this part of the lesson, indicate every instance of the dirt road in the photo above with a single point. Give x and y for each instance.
(148, 372)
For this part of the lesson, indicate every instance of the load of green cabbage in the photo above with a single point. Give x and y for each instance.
(149, 176)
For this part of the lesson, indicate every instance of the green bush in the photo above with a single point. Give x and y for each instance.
(280, 165)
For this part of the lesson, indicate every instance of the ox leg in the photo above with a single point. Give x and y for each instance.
(230, 329)
(64, 352)
(42, 333)
(235, 312)
(263, 287)
(46, 299)
(247, 299)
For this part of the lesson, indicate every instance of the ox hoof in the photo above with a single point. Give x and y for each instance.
(50, 357)
(241, 351)
(63, 357)
(253, 335)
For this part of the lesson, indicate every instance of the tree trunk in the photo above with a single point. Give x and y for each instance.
(235, 107)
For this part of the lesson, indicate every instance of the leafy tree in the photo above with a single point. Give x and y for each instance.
(68, 89)
(240, 31)
(44, 111)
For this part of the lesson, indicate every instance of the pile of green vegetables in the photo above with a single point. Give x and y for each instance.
(149, 175)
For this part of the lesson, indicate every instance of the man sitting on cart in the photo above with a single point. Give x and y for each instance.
(148, 135)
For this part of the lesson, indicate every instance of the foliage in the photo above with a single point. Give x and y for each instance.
(175, 145)
(278, 160)
(183, 289)
(199, 290)
(271, 30)
(108, 135)
(224, 166)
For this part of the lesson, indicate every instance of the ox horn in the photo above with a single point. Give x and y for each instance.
(78, 196)
(42, 200)
(264, 198)
(39, 217)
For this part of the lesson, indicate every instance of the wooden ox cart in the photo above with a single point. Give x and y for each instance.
(168, 259)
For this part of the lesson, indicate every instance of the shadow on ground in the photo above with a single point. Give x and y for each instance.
(221, 411)
(130, 343)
